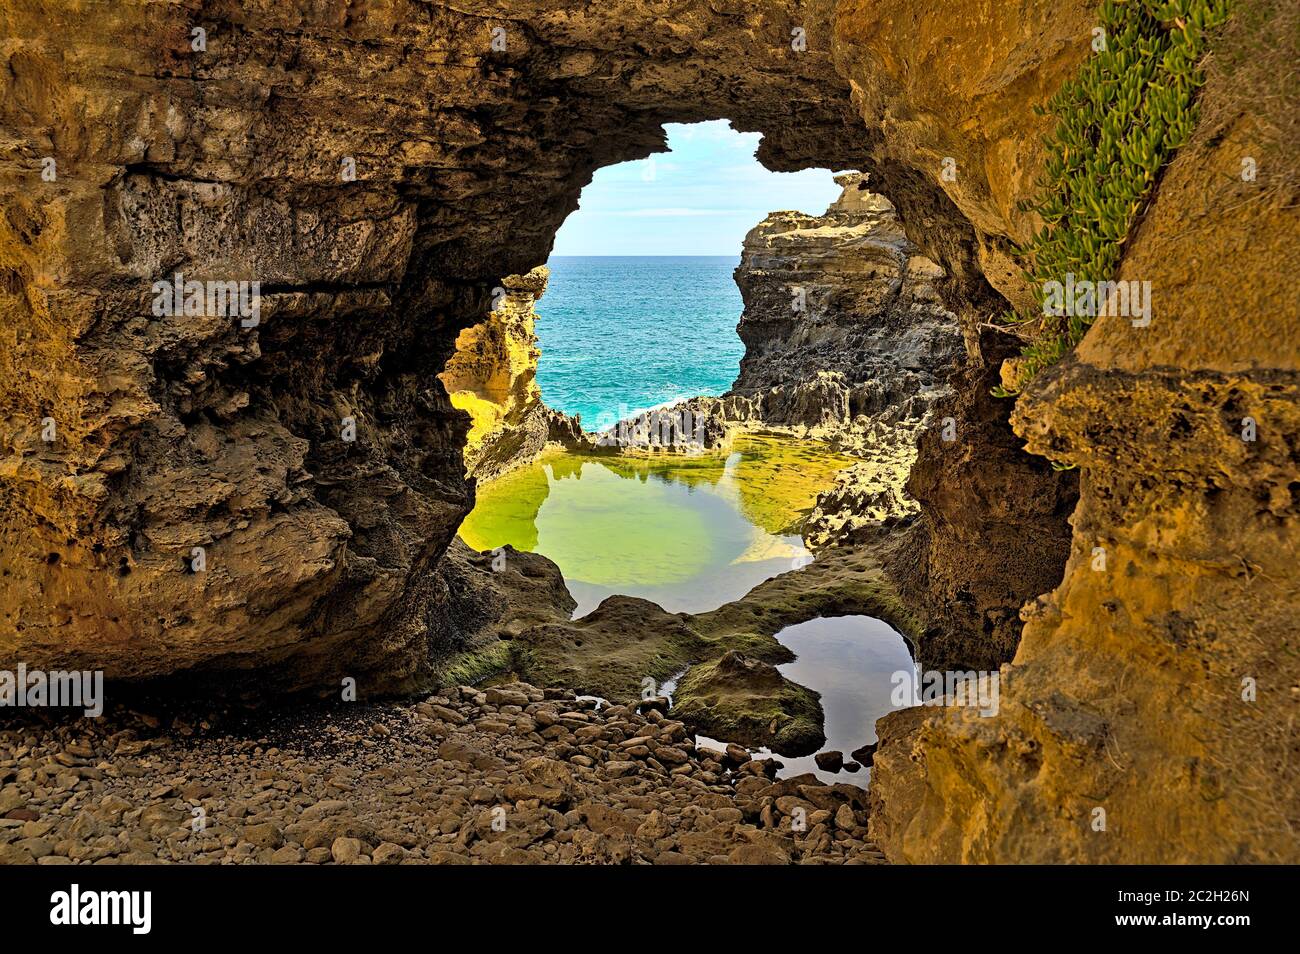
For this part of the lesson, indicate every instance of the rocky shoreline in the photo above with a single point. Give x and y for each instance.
(510, 774)
(847, 341)
(526, 632)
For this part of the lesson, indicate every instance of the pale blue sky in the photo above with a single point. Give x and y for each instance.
(700, 198)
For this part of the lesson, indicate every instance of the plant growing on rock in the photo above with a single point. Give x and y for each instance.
(1118, 123)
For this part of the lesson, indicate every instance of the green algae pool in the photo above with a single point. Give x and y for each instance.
(687, 532)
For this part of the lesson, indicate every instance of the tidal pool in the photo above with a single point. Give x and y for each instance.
(851, 661)
(687, 532)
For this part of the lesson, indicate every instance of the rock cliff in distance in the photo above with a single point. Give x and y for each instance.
(492, 377)
(846, 340)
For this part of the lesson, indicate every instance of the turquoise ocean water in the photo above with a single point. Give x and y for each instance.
(623, 334)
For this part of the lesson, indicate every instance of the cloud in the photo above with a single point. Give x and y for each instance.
(705, 173)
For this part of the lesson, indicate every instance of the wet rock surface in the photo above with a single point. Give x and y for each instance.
(615, 649)
(848, 341)
(511, 774)
(751, 702)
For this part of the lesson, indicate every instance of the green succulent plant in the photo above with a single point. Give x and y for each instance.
(1117, 124)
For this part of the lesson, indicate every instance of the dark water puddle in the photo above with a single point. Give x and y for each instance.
(851, 662)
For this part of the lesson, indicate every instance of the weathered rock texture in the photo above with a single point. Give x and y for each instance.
(1160, 681)
(993, 532)
(227, 163)
(847, 341)
(234, 162)
(843, 297)
(492, 377)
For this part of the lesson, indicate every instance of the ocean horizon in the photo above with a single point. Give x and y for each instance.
(621, 334)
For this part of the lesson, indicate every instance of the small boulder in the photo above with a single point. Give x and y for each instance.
(656, 704)
(265, 835)
(389, 854)
(346, 851)
(866, 754)
(757, 854)
(501, 696)
(831, 761)
(737, 754)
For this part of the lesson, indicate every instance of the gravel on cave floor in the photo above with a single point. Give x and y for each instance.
(507, 775)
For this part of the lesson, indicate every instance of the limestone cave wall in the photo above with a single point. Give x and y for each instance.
(377, 167)
(1150, 712)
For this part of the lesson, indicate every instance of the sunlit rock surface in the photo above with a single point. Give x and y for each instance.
(492, 377)
(1150, 711)
(846, 340)
(231, 163)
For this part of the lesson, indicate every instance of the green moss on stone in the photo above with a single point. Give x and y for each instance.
(741, 699)
(476, 665)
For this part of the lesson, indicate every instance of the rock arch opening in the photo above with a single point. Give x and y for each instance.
(314, 458)
(377, 171)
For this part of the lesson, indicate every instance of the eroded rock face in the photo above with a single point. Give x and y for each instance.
(993, 533)
(1156, 685)
(849, 339)
(236, 162)
(846, 340)
(492, 377)
(230, 163)
(953, 103)
(377, 172)
(844, 293)
(951, 91)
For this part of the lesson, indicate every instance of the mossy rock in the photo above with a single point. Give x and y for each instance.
(612, 650)
(476, 665)
(745, 700)
(615, 648)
